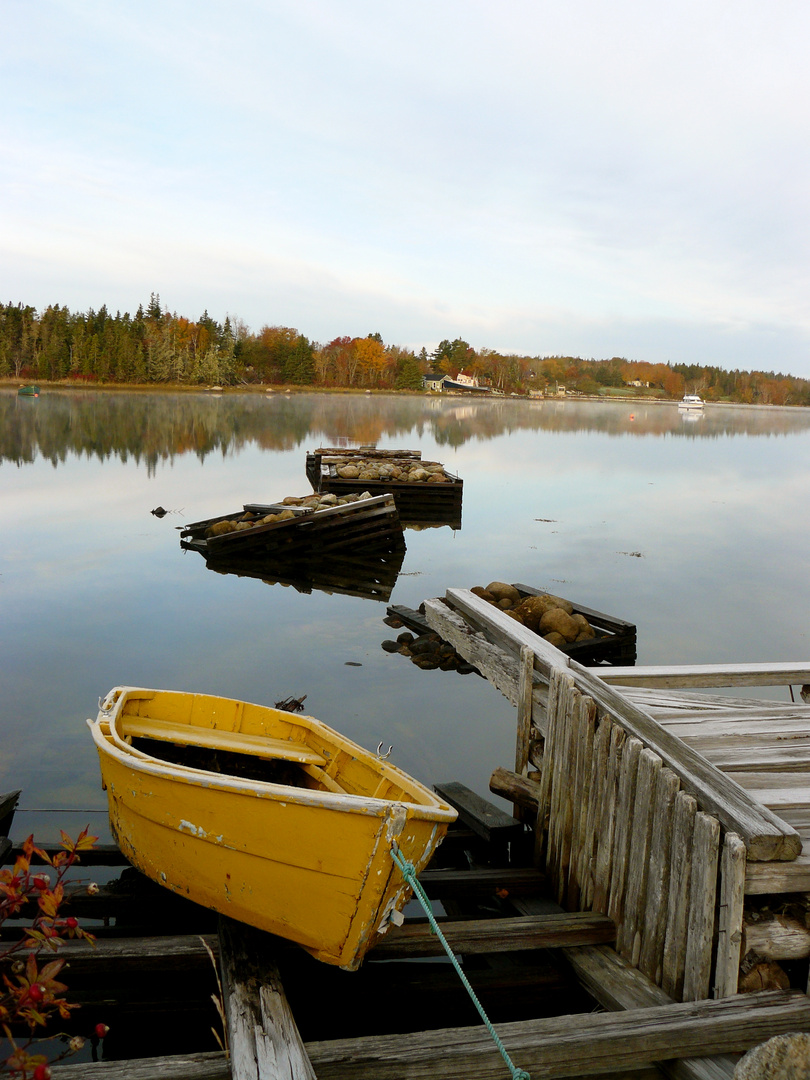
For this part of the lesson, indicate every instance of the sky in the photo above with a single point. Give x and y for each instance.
(581, 178)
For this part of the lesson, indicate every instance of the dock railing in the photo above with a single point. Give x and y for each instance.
(632, 822)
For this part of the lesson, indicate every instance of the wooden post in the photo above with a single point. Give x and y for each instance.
(705, 854)
(732, 897)
(680, 882)
(658, 892)
(263, 1039)
(524, 720)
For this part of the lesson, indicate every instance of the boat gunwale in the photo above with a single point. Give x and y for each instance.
(115, 747)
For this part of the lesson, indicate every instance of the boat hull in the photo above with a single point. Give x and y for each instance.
(310, 865)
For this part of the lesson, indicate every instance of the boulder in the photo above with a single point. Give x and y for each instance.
(502, 591)
(784, 1057)
(558, 621)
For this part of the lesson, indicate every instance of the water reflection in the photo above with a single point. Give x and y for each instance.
(369, 576)
(152, 427)
(694, 531)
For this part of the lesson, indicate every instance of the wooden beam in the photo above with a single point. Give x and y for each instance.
(616, 985)
(440, 884)
(211, 1066)
(483, 936)
(516, 788)
(487, 821)
(567, 1046)
(788, 673)
(263, 1039)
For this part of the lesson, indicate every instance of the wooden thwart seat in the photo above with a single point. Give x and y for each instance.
(234, 741)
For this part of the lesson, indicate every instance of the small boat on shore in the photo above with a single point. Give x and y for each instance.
(267, 816)
(29, 391)
(691, 401)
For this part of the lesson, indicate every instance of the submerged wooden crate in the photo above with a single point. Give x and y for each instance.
(367, 523)
(615, 641)
(420, 504)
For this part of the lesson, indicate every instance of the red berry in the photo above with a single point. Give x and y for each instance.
(42, 1072)
(36, 992)
(71, 922)
(101, 1030)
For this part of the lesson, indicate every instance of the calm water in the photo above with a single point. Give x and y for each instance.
(694, 529)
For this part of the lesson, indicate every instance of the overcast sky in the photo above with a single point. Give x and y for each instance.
(577, 176)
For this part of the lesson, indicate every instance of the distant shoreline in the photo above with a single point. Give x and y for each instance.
(184, 388)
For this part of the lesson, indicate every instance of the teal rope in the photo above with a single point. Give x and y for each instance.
(409, 873)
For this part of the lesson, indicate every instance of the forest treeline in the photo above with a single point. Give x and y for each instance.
(154, 346)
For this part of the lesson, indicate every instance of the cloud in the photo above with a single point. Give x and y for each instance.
(577, 178)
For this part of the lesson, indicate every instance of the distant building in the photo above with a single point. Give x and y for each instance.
(434, 382)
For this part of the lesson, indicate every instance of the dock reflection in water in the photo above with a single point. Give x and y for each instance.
(369, 576)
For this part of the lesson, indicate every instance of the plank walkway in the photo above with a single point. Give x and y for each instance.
(665, 808)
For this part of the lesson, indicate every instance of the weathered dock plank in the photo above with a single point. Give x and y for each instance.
(784, 673)
(482, 936)
(206, 1066)
(567, 1046)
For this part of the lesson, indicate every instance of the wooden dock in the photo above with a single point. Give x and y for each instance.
(642, 912)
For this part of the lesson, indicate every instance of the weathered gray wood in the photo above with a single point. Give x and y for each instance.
(585, 719)
(263, 1039)
(658, 878)
(616, 985)
(670, 702)
(181, 953)
(765, 835)
(607, 817)
(778, 877)
(629, 938)
(518, 789)
(682, 675)
(705, 855)
(564, 775)
(775, 936)
(439, 884)
(524, 710)
(732, 759)
(730, 916)
(482, 936)
(211, 1066)
(621, 837)
(592, 818)
(507, 633)
(569, 1045)
(499, 666)
(680, 884)
(487, 821)
(551, 734)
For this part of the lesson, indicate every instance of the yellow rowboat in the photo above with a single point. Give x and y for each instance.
(269, 817)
